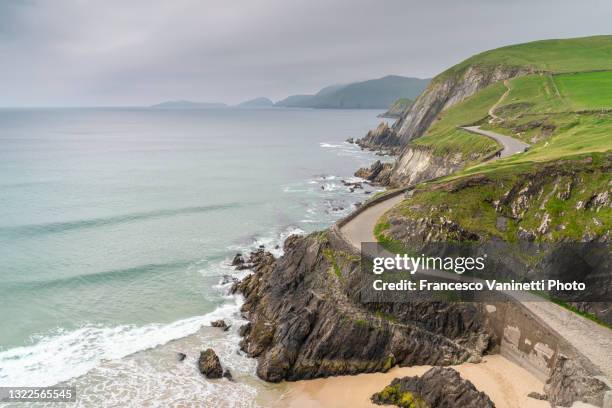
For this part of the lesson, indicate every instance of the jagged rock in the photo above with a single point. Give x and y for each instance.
(383, 139)
(570, 382)
(181, 356)
(209, 364)
(227, 374)
(439, 387)
(538, 396)
(307, 323)
(238, 260)
(221, 324)
(350, 140)
(378, 173)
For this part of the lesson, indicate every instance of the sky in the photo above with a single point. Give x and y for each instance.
(141, 52)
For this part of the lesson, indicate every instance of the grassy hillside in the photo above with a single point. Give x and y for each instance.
(559, 103)
(444, 136)
(567, 55)
(558, 190)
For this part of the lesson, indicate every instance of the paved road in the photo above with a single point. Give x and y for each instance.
(361, 228)
(592, 340)
(510, 145)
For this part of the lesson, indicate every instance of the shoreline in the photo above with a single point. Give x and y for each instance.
(503, 381)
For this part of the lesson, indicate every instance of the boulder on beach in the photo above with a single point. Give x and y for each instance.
(209, 364)
(440, 387)
(220, 324)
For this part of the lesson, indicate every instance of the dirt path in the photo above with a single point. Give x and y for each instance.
(499, 101)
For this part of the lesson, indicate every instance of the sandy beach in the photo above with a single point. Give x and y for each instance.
(503, 381)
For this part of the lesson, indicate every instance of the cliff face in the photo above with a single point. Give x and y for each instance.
(444, 93)
(417, 164)
(306, 319)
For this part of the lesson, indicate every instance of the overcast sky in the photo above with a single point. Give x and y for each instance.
(139, 52)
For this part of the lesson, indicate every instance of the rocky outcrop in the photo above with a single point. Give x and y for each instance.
(571, 382)
(383, 138)
(398, 109)
(418, 163)
(415, 164)
(447, 90)
(220, 324)
(307, 321)
(438, 388)
(378, 173)
(209, 364)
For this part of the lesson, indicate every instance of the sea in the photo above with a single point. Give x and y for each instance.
(117, 229)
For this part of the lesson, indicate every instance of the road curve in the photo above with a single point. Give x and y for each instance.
(510, 145)
(590, 339)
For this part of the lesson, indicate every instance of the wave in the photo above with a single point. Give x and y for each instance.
(59, 227)
(97, 277)
(68, 354)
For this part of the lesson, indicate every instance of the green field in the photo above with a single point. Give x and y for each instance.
(586, 90)
(444, 137)
(567, 55)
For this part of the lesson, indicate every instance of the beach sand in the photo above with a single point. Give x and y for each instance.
(503, 381)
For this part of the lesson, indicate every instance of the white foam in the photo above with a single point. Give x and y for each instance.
(68, 354)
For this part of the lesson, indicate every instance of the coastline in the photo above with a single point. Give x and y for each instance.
(504, 382)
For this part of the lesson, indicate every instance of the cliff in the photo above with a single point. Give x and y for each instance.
(398, 108)
(307, 320)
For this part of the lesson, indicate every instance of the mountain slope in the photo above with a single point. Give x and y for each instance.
(372, 94)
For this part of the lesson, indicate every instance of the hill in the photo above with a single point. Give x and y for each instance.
(398, 108)
(372, 94)
(182, 104)
(256, 103)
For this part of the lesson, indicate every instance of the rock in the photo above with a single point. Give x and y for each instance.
(238, 260)
(383, 138)
(181, 356)
(306, 323)
(570, 382)
(221, 324)
(350, 140)
(378, 173)
(227, 374)
(440, 387)
(538, 396)
(209, 364)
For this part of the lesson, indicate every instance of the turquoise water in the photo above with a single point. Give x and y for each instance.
(116, 224)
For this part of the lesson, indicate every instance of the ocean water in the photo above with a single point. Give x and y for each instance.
(117, 226)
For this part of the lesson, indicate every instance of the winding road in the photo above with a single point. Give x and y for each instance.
(590, 339)
(509, 144)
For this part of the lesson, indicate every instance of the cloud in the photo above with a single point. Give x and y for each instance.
(111, 52)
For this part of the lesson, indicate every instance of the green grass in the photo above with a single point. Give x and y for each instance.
(558, 55)
(586, 90)
(444, 137)
(473, 207)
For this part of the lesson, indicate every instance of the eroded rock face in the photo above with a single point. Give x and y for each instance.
(383, 138)
(378, 173)
(306, 320)
(443, 93)
(570, 382)
(209, 364)
(417, 164)
(440, 387)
